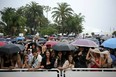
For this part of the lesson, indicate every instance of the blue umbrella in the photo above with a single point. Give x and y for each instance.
(110, 43)
(20, 38)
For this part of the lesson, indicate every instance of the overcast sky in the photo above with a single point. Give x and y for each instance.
(100, 15)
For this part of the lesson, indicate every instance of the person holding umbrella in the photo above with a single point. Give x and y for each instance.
(59, 62)
(80, 57)
(94, 58)
(106, 59)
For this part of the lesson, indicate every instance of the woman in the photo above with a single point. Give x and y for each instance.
(80, 58)
(93, 56)
(26, 62)
(106, 59)
(47, 62)
(69, 63)
(59, 61)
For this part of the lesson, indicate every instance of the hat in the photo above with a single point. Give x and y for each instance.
(105, 52)
(96, 50)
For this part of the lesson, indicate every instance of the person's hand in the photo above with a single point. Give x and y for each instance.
(48, 63)
(93, 60)
(42, 67)
(60, 68)
(31, 69)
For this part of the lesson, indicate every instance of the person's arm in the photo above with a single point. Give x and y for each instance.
(65, 65)
(19, 61)
(88, 55)
(98, 64)
(55, 63)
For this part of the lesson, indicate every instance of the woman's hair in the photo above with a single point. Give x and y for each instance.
(49, 52)
(72, 62)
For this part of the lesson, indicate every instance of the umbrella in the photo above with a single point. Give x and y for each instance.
(63, 47)
(21, 47)
(110, 43)
(41, 39)
(2, 43)
(2, 39)
(20, 38)
(51, 43)
(84, 43)
(9, 49)
(94, 39)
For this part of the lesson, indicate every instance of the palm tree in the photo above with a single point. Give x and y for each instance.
(34, 14)
(7, 17)
(60, 14)
(12, 20)
(2, 26)
(74, 24)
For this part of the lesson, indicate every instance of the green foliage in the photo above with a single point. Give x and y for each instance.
(31, 18)
(49, 30)
(61, 13)
(114, 33)
(14, 22)
(74, 24)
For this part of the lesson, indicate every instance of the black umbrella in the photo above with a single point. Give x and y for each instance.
(63, 47)
(22, 47)
(9, 49)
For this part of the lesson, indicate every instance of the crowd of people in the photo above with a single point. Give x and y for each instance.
(44, 57)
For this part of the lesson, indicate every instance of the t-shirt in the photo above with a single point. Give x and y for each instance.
(36, 61)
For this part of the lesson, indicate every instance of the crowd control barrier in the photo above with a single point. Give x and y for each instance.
(90, 72)
(29, 73)
(75, 72)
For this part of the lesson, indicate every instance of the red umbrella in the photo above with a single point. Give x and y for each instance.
(84, 43)
(2, 43)
(51, 43)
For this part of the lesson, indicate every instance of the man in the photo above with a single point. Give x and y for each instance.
(36, 60)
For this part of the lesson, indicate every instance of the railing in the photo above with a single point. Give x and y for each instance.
(75, 72)
(90, 72)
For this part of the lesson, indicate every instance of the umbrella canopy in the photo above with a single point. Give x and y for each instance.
(20, 38)
(21, 47)
(2, 43)
(63, 47)
(41, 39)
(51, 43)
(110, 43)
(9, 49)
(84, 43)
(2, 39)
(94, 39)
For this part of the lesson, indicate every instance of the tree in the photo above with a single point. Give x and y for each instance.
(49, 30)
(14, 21)
(2, 26)
(61, 13)
(114, 33)
(47, 9)
(35, 17)
(74, 24)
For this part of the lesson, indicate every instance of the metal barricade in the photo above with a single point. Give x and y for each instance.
(74, 72)
(29, 73)
(90, 72)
